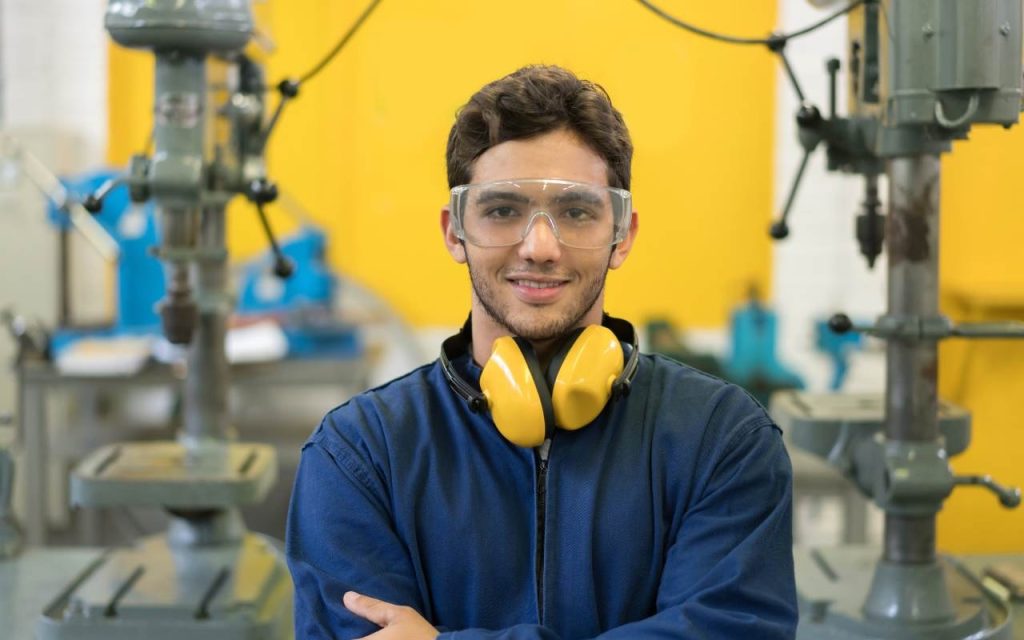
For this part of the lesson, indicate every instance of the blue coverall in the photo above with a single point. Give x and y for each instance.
(668, 517)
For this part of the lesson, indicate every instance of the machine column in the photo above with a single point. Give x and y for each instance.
(911, 400)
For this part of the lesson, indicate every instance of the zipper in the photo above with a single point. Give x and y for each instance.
(542, 452)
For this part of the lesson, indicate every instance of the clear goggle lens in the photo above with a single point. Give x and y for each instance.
(501, 214)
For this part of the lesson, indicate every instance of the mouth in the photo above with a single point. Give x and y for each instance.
(537, 290)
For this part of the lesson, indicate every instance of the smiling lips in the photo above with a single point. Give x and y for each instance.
(537, 290)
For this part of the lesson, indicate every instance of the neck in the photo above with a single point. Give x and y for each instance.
(486, 330)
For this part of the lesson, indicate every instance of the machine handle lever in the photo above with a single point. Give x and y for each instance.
(1009, 497)
(779, 228)
(288, 89)
(778, 45)
(261, 192)
(1009, 329)
(54, 190)
(832, 67)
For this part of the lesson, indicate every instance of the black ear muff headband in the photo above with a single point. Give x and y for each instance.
(625, 332)
(452, 348)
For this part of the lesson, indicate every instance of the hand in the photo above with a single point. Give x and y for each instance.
(397, 622)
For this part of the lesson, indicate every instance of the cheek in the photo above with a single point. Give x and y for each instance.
(597, 265)
(488, 263)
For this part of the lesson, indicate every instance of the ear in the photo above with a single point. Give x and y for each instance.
(452, 242)
(623, 248)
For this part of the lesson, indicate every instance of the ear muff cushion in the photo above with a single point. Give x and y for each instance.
(583, 384)
(519, 406)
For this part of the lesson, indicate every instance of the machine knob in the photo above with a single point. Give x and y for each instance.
(262, 191)
(283, 267)
(779, 230)
(92, 204)
(840, 323)
(808, 115)
(288, 88)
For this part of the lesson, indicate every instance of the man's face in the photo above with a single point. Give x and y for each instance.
(538, 289)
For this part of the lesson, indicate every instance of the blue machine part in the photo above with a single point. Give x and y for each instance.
(311, 285)
(838, 347)
(304, 303)
(140, 277)
(753, 363)
(311, 341)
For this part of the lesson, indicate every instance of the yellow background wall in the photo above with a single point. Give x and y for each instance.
(363, 146)
(982, 265)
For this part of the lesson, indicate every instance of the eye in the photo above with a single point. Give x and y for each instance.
(578, 214)
(503, 212)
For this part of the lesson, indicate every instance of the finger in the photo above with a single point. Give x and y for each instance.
(376, 611)
(383, 634)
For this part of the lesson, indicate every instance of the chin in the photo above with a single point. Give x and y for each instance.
(538, 325)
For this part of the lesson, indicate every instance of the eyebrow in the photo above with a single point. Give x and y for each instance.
(503, 196)
(561, 198)
(587, 197)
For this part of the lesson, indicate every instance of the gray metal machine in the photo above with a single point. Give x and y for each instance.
(207, 577)
(922, 72)
(10, 532)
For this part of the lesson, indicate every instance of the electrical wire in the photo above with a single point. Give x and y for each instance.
(771, 41)
(326, 59)
(341, 43)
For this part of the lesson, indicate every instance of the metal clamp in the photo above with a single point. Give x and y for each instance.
(906, 478)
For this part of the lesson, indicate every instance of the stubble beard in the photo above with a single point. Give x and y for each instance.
(540, 329)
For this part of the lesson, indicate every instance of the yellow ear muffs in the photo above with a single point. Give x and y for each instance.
(581, 375)
(517, 394)
(585, 373)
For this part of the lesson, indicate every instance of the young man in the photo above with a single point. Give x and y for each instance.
(446, 503)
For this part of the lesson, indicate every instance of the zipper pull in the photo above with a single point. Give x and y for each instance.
(544, 450)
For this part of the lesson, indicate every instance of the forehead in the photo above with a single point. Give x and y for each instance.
(556, 154)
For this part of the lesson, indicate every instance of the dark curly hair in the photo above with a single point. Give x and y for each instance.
(532, 101)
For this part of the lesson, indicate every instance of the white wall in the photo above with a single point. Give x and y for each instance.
(53, 91)
(54, 68)
(818, 270)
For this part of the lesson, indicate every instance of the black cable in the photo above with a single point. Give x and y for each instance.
(325, 61)
(771, 41)
(341, 43)
(792, 76)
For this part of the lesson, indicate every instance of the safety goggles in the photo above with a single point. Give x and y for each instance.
(502, 213)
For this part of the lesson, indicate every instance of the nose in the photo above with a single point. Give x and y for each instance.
(540, 243)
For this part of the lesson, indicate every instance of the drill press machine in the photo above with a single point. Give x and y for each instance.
(922, 72)
(206, 577)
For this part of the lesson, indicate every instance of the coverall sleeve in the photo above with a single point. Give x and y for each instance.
(340, 537)
(729, 570)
